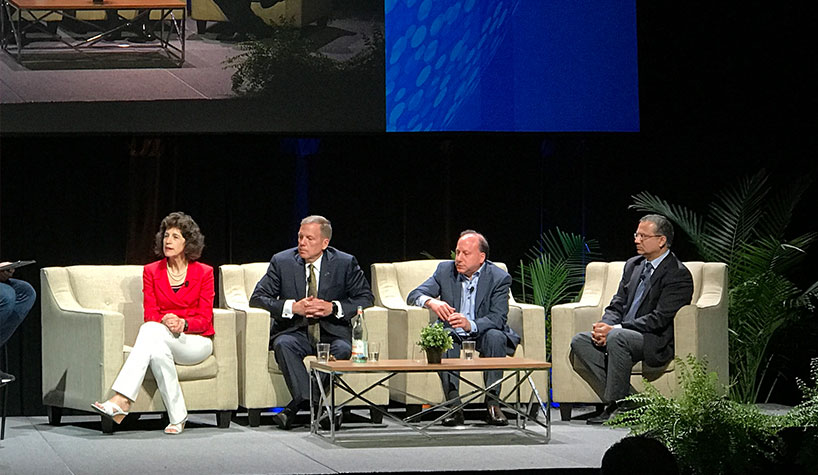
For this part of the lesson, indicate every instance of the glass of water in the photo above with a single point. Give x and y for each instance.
(374, 351)
(323, 352)
(468, 350)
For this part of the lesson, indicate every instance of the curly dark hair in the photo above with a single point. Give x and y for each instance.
(194, 239)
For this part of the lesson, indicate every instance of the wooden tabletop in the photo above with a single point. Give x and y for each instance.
(412, 366)
(90, 5)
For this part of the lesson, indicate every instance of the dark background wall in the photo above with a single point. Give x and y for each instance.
(724, 92)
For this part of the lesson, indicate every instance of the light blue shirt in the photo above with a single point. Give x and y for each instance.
(466, 299)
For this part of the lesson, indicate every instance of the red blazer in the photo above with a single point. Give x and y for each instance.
(193, 302)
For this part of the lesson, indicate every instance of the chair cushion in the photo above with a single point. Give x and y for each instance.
(207, 369)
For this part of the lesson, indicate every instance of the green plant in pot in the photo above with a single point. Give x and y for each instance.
(434, 339)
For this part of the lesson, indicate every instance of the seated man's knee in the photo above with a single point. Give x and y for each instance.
(284, 343)
(494, 343)
(340, 349)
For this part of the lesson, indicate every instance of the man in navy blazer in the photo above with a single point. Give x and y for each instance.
(470, 296)
(339, 287)
(638, 323)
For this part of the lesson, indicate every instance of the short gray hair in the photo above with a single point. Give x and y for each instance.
(326, 226)
(663, 226)
(482, 241)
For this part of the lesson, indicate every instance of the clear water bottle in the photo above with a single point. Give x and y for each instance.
(359, 337)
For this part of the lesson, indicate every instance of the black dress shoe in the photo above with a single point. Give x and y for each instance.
(603, 416)
(285, 418)
(495, 416)
(6, 378)
(324, 423)
(455, 419)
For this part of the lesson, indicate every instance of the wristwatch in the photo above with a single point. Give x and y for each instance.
(334, 309)
(185, 326)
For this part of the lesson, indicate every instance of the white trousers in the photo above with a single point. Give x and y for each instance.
(160, 349)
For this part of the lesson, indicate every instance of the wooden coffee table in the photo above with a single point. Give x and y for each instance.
(23, 16)
(520, 369)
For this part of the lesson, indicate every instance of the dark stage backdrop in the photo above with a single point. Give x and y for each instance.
(98, 200)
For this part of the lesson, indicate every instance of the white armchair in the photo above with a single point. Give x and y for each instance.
(299, 12)
(392, 283)
(90, 318)
(700, 329)
(261, 383)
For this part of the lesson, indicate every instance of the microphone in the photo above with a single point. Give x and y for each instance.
(186, 283)
(471, 289)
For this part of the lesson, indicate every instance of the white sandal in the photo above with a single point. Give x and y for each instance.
(110, 409)
(175, 429)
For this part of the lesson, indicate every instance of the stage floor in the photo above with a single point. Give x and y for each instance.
(78, 447)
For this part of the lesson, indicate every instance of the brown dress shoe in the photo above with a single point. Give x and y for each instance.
(496, 417)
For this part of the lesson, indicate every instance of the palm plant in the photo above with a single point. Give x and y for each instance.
(555, 272)
(745, 228)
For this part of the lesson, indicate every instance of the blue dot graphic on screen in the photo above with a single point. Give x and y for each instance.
(432, 40)
(511, 65)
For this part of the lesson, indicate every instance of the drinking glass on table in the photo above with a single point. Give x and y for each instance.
(374, 351)
(468, 350)
(323, 352)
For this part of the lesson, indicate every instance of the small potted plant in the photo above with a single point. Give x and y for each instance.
(434, 340)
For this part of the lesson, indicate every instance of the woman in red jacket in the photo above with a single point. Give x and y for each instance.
(178, 303)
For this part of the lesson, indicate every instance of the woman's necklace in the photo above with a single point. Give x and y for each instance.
(177, 279)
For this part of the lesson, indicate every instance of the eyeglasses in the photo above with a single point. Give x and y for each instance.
(642, 237)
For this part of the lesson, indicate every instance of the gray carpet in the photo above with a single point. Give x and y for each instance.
(78, 447)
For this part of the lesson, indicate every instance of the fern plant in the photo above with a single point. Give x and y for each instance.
(553, 272)
(708, 433)
(745, 228)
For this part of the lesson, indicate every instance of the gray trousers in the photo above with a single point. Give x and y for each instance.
(492, 343)
(608, 368)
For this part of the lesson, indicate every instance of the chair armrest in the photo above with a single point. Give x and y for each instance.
(377, 319)
(82, 354)
(533, 337)
(224, 350)
(702, 332)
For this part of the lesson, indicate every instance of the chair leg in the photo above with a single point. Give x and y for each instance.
(54, 415)
(375, 416)
(5, 389)
(3, 417)
(412, 409)
(254, 417)
(107, 425)
(565, 411)
(223, 419)
(201, 26)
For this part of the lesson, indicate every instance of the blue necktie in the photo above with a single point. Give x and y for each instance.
(644, 283)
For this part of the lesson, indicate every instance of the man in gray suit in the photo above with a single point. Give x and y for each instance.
(312, 292)
(470, 296)
(638, 323)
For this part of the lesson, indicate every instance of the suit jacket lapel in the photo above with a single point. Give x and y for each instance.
(326, 274)
(633, 283)
(299, 281)
(164, 284)
(483, 285)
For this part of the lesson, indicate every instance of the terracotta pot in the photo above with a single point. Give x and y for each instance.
(433, 355)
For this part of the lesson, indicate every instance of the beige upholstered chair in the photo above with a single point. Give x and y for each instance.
(300, 12)
(700, 329)
(90, 317)
(392, 282)
(261, 383)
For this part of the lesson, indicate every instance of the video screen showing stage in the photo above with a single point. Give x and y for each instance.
(318, 66)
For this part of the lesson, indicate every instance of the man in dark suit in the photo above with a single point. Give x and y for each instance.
(638, 323)
(470, 296)
(312, 292)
